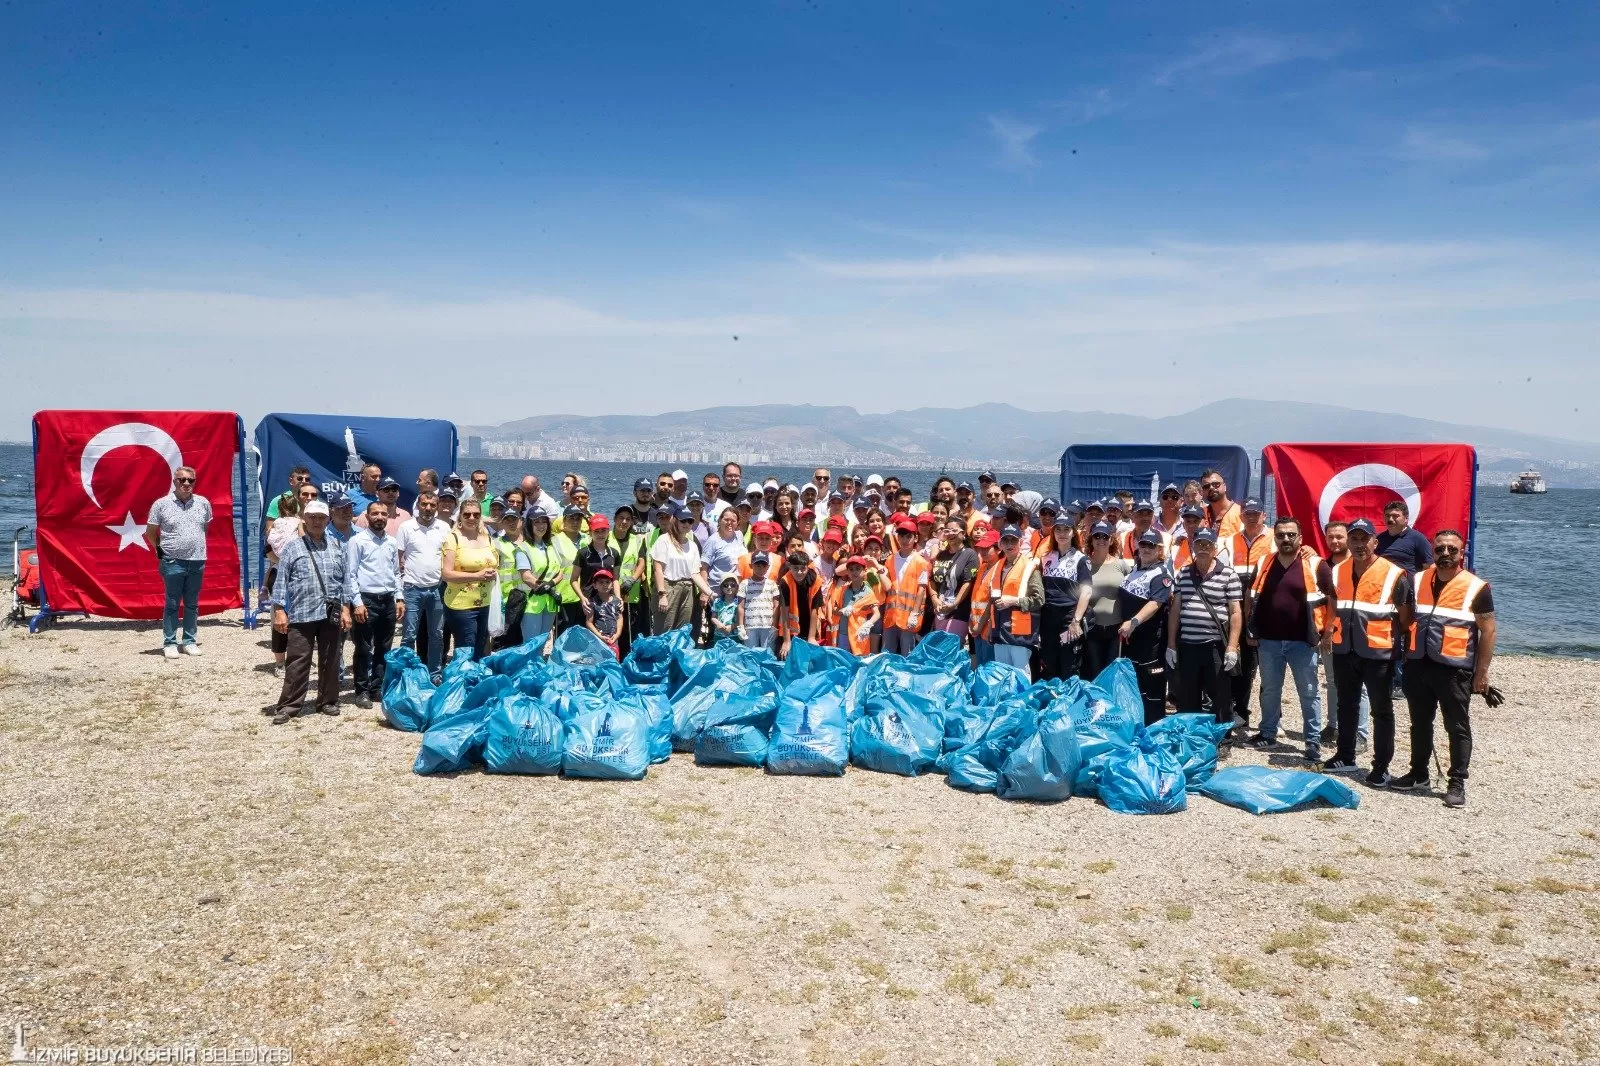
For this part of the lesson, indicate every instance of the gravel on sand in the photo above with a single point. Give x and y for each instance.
(181, 871)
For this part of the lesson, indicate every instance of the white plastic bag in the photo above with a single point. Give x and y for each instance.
(497, 611)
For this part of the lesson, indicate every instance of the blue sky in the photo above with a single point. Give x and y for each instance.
(483, 211)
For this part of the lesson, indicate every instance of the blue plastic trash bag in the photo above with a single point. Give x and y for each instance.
(736, 730)
(1264, 790)
(894, 673)
(523, 736)
(993, 682)
(652, 700)
(406, 690)
(1119, 683)
(611, 743)
(569, 701)
(714, 678)
(532, 679)
(943, 651)
(648, 660)
(1103, 725)
(897, 733)
(1192, 739)
(976, 767)
(580, 647)
(455, 741)
(512, 661)
(460, 678)
(806, 659)
(810, 734)
(1142, 778)
(1043, 766)
(964, 723)
(461, 663)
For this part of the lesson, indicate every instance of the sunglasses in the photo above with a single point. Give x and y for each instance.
(1148, 547)
(1287, 536)
(183, 480)
(480, 481)
(1212, 485)
(1446, 550)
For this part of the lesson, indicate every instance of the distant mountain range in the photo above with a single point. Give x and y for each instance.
(1002, 435)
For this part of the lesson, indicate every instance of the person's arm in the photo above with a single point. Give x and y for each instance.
(1033, 594)
(1174, 612)
(1425, 555)
(738, 615)
(1405, 608)
(1487, 631)
(1330, 601)
(1080, 611)
(1246, 607)
(352, 589)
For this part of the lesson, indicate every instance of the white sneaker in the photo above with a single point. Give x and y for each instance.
(191, 649)
(277, 671)
(169, 651)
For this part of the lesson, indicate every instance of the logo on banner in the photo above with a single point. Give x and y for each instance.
(1369, 475)
(127, 435)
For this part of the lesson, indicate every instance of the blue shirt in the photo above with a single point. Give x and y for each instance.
(360, 499)
(722, 558)
(310, 576)
(372, 566)
(1410, 550)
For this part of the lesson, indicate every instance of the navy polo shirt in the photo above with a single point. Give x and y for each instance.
(1410, 550)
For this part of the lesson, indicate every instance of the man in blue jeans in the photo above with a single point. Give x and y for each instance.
(420, 544)
(176, 532)
(1288, 617)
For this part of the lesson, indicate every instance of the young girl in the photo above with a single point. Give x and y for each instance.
(725, 610)
(603, 611)
(758, 604)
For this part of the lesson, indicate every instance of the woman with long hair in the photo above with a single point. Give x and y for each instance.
(470, 566)
(1144, 595)
(955, 567)
(1067, 579)
(1101, 644)
(783, 511)
(540, 569)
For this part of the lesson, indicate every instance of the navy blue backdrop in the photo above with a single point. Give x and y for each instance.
(334, 447)
(1094, 471)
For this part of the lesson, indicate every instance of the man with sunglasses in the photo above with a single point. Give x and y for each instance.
(395, 516)
(1450, 647)
(1288, 615)
(1222, 514)
(176, 532)
(298, 476)
(1171, 501)
(480, 489)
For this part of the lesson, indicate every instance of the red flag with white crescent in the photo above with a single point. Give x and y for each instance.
(1320, 483)
(96, 475)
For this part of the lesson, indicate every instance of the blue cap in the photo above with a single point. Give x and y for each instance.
(1103, 529)
(1011, 533)
(964, 487)
(1095, 505)
(644, 483)
(1253, 506)
(1170, 486)
(339, 499)
(694, 497)
(1144, 505)
(454, 477)
(573, 510)
(1049, 505)
(1075, 507)
(1150, 536)
(1191, 510)
(448, 493)
(1207, 534)
(836, 495)
(388, 483)
(1361, 525)
(988, 475)
(533, 511)
(1113, 504)
(760, 557)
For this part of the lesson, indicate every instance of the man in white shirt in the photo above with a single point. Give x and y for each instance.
(533, 493)
(420, 546)
(680, 487)
(372, 590)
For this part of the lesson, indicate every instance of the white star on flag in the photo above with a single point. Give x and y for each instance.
(131, 532)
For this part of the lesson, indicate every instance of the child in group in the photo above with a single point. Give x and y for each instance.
(758, 604)
(604, 610)
(855, 606)
(725, 611)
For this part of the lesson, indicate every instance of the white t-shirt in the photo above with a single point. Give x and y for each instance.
(421, 552)
(760, 603)
(677, 564)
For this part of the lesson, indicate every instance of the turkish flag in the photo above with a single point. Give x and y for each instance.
(1318, 483)
(96, 475)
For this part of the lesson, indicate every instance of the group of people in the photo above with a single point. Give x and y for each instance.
(1194, 588)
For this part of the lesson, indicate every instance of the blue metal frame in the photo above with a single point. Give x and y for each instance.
(46, 612)
(1472, 532)
(241, 515)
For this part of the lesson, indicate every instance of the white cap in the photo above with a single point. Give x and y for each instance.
(874, 479)
(770, 483)
(314, 507)
(680, 475)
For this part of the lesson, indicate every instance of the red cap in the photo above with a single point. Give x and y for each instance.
(898, 517)
(806, 512)
(598, 521)
(833, 536)
(988, 539)
(857, 560)
(871, 537)
(598, 574)
(906, 525)
(927, 518)
(768, 529)
(838, 521)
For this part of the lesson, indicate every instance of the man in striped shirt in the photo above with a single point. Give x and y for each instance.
(1203, 625)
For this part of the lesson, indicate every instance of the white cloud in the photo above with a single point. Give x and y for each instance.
(1235, 53)
(1016, 141)
(1431, 145)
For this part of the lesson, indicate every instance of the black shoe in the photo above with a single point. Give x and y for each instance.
(1261, 742)
(1339, 766)
(363, 700)
(283, 715)
(1409, 783)
(1378, 778)
(1456, 794)
(1330, 735)
(331, 710)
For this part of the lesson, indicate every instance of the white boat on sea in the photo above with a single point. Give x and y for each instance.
(1529, 483)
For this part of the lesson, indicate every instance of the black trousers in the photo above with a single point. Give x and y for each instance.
(1055, 658)
(1200, 675)
(1431, 686)
(1149, 663)
(323, 639)
(373, 639)
(1350, 673)
(1101, 647)
(1244, 682)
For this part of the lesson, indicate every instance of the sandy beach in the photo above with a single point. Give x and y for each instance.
(181, 871)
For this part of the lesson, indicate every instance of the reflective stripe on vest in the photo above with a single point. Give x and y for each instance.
(628, 559)
(858, 631)
(542, 564)
(507, 550)
(1009, 621)
(907, 592)
(566, 554)
(981, 620)
(1248, 554)
(1446, 630)
(1317, 607)
(1364, 614)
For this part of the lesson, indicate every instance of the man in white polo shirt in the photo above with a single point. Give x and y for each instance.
(420, 543)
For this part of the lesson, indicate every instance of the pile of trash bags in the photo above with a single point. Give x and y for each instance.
(581, 713)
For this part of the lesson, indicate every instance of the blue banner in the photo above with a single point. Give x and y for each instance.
(335, 447)
(1094, 471)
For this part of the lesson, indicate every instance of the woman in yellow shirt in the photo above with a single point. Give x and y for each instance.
(470, 565)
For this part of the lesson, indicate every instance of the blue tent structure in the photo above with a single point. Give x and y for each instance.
(1093, 471)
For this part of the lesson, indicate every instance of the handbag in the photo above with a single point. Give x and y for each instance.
(1221, 624)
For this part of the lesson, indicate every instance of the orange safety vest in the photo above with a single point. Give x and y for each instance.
(1445, 630)
(789, 624)
(1363, 621)
(1046, 543)
(858, 632)
(1231, 522)
(1130, 542)
(1178, 549)
(1247, 554)
(1016, 627)
(774, 565)
(908, 590)
(1317, 605)
(983, 625)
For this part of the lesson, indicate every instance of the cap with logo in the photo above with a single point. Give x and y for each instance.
(388, 483)
(339, 499)
(572, 511)
(694, 497)
(644, 484)
(1191, 510)
(1049, 507)
(1205, 535)
(1102, 529)
(987, 475)
(1011, 533)
(455, 479)
(598, 523)
(1361, 525)
(964, 487)
(1144, 505)
(1253, 506)
(1172, 488)
(448, 493)
(1149, 536)
(760, 559)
